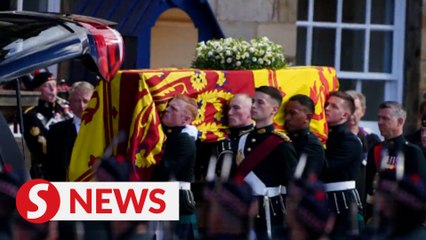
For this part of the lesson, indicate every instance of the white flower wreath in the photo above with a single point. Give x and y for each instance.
(237, 54)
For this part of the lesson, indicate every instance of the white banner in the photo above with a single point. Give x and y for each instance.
(40, 201)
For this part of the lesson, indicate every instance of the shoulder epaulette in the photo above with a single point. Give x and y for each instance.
(29, 109)
(282, 135)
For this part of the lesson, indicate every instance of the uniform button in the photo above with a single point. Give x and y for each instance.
(248, 149)
(253, 140)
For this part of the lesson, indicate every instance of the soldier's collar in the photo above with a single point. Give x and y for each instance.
(396, 141)
(246, 128)
(45, 104)
(299, 133)
(263, 130)
(172, 130)
(236, 132)
(337, 128)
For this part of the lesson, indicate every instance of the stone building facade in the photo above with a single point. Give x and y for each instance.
(248, 19)
(377, 46)
(404, 80)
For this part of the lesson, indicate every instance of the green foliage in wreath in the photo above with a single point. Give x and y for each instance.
(237, 54)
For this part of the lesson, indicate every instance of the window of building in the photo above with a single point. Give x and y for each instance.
(362, 39)
(37, 5)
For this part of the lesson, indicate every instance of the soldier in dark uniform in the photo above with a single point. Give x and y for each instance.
(266, 161)
(298, 113)
(178, 161)
(217, 176)
(367, 139)
(385, 156)
(240, 122)
(38, 119)
(343, 155)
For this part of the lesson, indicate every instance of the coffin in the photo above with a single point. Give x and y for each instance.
(132, 101)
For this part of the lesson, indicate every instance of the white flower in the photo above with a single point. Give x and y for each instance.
(233, 53)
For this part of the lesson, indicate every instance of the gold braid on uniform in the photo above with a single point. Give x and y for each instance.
(282, 135)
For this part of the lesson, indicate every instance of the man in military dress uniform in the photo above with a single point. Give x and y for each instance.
(384, 157)
(343, 155)
(240, 122)
(178, 161)
(37, 119)
(266, 161)
(298, 113)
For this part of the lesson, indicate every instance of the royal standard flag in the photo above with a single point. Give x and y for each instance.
(133, 101)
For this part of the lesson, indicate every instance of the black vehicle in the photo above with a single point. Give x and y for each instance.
(30, 41)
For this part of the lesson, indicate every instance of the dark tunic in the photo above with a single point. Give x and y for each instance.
(60, 142)
(205, 150)
(368, 140)
(177, 164)
(179, 157)
(275, 169)
(230, 144)
(343, 154)
(278, 167)
(414, 161)
(236, 133)
(304, 141)
(36, 124)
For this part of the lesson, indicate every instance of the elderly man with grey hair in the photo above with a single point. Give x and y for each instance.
(395, 157)
(61, 136)
(60, 143)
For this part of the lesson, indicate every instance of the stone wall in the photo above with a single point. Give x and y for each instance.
(248, 19)
(412, 63)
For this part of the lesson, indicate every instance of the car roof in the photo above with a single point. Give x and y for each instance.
(33, 40)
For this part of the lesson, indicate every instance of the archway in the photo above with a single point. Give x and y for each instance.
(173, 40)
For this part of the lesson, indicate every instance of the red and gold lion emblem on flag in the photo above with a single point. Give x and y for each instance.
(134, 100)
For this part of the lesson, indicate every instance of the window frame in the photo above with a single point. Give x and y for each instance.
(394, 80)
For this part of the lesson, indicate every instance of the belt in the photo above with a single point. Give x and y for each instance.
(339, 186)
(283, 190)
(184, 185)
(270, 192)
